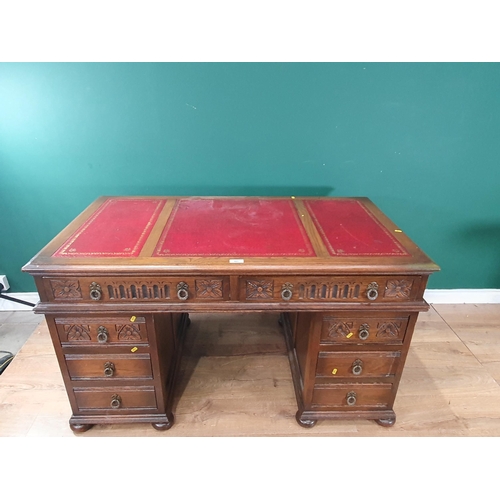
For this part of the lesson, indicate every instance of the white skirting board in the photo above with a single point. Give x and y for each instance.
(455, 296)
(463, 296)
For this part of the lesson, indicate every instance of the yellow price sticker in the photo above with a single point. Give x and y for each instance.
(334, 371)
(133, 318)
(349, 335)
(134, 349)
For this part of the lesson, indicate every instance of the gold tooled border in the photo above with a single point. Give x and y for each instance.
(63, 250)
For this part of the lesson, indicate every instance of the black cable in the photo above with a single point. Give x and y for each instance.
(19, 301)
(5, 360)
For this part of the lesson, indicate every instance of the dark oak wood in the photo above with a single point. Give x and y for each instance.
(337, 310)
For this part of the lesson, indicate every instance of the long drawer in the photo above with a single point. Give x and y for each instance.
(116, 289)
(364, 289)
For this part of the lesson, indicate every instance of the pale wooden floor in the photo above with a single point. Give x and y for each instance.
(236, 382)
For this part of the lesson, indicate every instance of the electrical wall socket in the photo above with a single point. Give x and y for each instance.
(4, 282)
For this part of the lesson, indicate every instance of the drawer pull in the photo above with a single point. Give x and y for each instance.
(357, 367)
(95, 291)
(182, 291)
(116, 401)
(286, 291)
(364, 331)
(109, 369)
(102, 335)
(351, 398)
(372, 290)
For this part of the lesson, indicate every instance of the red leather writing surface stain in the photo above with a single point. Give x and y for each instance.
(348, 229)
(119, 228)
(243, 227)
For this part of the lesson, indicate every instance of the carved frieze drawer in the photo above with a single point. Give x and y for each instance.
(115, 399)
(141, 289)
(95, 330)
(367, 289)
(364, 329)
(109, 367)
(355, 365)
(353, 396)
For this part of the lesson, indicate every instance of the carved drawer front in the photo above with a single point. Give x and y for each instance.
(329, 289)
(109, 367)
(359, 364)
(120, 330)
(390, 329)
(118, 289)
(115, 399)
(353, 396)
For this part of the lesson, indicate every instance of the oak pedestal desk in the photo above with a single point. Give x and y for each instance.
(118, 283)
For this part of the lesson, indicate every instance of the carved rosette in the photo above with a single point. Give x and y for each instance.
(77, 332)
(388, 330)
(128, 332)
(66, 289)
(339, 329)
(398, 289)
(260, 289)
(209, 289)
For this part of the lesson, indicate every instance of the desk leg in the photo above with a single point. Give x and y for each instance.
(180, 333)
(79, 428)
(288, 330)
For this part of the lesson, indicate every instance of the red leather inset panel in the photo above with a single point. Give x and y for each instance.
(119, 228)
(348, 229)
(241, 227)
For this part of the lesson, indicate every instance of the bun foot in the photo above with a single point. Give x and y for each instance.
(80, 427)
(304, 422)
(386, 422)
(164, 426)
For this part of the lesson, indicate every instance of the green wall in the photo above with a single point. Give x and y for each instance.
(421, 140)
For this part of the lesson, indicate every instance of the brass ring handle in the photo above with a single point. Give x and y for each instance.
(372, 290)
(102, 334)
(116, 401)
(182, 291)
(357, 367)
(351, 398)
(364, 332)
(95, 291)
(109, 369)
(286, 291)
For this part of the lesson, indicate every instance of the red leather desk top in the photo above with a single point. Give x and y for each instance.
(211, 234)
(237, 227)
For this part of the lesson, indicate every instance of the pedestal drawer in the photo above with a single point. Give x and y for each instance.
(364, 329)
(350, 364)
(115, 398)
(102, 331)
(108, 366)
(353, 396)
